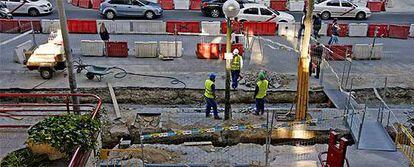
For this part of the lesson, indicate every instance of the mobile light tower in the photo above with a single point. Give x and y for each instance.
(231, 9)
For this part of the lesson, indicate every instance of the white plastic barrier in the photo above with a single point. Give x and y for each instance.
(412, 30)
(181, 4)
(19, 51)
(324, 29)
(363, 51)
(146, 49)
(296, 5)
(210, 27)
(153, 26)
(170, 49)
(288, 29)
(115, 27)
(358, 29)
(92, 48)
(49, 25)
(264, 2)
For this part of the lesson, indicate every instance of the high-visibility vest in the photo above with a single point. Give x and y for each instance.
(208, 89)
(263, 86)
(235, 64)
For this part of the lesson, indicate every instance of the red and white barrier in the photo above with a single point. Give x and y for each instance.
(412, 30)
(358, 29)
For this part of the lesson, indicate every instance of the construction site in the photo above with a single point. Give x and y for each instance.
(68, 98)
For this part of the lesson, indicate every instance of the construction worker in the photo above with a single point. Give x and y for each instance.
(210, 96)
(316, 59)
(260, 93)
(236, 66)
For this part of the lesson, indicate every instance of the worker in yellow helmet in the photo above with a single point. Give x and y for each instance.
(260, 93)
(236, 66)
(210, 96)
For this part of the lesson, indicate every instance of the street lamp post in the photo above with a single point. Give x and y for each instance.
(231, 9)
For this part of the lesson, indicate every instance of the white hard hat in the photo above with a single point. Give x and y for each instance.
(236, 51)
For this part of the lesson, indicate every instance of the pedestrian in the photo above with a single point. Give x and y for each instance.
(103, 32)
(317, 25)
(302, 26)
(210, 96)
(316, 59)
(260, 93)
(335, 32)
(236, 66)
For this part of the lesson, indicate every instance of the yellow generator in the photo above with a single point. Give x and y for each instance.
(49, 57)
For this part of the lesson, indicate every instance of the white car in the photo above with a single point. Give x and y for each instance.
(261, 13)
(341, 8)
(31, 7)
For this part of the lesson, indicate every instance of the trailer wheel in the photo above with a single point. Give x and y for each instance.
(90, 76)
(46, 73)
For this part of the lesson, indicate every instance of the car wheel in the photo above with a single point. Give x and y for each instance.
(90, 76)
(46, 73)
(34, 12)
(110, 15)
(361, 16)
(325, 15)
(215, 13)
(282, 21)
(149, 15)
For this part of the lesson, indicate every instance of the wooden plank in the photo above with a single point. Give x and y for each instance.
(202, 143)
(114, 101)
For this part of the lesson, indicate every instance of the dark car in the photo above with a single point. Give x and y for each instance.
(213, 8)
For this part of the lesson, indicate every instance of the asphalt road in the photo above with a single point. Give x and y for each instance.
(80, 13)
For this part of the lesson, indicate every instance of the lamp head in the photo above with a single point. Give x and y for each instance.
(231, 8)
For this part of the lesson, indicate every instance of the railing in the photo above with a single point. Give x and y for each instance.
(15, 110)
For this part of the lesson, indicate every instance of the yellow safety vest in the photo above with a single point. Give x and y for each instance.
(235, 64)
(263, 85)
(208, 90)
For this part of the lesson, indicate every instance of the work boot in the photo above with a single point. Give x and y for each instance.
(208, 115)
(262, 112)
(256, 113)
(217, 117)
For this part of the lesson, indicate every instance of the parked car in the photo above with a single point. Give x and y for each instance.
(31, 7)
(214, 8)
(341, 8)
(142, 8)
(256, 12)
(4, 12)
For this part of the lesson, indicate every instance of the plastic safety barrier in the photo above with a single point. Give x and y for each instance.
(75, 2)
(279, 5)
(195, 4)
(375, 5)
(236, 27)
(166, 4)
(260, 28)
(19, 51)
(182, 4)
(343, 32)
(115, 27)
(399, 31)
(324, 29)
(9, 26)
(340, 52)
(208, 50)
(148, 26)
(116, 49)
(296, 6)
(412, 30)
(82, 26)
(238, 46)
(146, 49)
(49, 25)
(96, 4)
(183, 26)
(170, 49)
(92, 48)
(26, 25)
(288, 29)
(85, 3)
(210, 27)
(358, 29)
(366, 51)
(382, 30)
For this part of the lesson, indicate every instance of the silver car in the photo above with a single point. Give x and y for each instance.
(114, 8)
(341, 8)
(31, 7)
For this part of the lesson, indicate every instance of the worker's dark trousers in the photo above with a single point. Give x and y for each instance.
(318, 69)
(235, 74)
(211, 103)
(260, 106)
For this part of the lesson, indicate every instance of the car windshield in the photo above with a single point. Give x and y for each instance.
(144, 2)
(274, 11)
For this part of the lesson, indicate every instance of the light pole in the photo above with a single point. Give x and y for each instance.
(231, 9)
